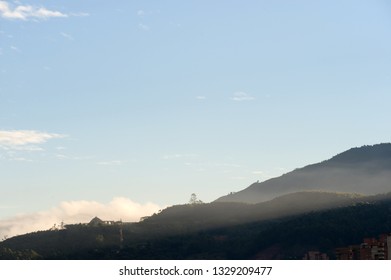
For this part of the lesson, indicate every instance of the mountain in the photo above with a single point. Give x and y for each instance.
(365, 170)
(312, 208)
(211, 215)
(178, 233)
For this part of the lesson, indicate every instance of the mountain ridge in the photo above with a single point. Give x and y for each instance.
(294, 235)
(365, 170)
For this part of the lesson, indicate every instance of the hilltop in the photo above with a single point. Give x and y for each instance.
(365, 170)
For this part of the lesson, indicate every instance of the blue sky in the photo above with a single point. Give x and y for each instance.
(152, 101)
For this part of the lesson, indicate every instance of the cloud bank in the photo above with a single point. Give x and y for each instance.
(25, 12)
(72, 212)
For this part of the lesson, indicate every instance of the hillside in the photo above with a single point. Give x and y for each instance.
(211, 215)
(283, 238)
(365, 170)
(319, 207)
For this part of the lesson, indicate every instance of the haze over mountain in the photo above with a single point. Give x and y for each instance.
(365, 170)
(277, 229)
(211, 215)
(320, 202)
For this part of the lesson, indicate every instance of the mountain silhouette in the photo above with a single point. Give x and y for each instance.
(322, 206)
(210, 215)
(365, 170)
(218, 231)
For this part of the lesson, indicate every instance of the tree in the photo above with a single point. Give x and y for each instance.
(194, 200)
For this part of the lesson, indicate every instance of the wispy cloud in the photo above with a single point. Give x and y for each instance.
(179, 156)
(143, 16)
(15, 49)
(21, 159)
(241, 96)
(80, 14)
(143, 27)
(111, 162)
(18, 145)
(67, 36)
(200, 97)
(23, 148)
(25, 12)
(141, 13)
(71, 157)
(17, 138)
(81, 211)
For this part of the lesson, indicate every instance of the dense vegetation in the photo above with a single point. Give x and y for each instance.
(192, 237)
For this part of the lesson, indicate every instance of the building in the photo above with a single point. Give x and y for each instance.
(344, 253)
(369, 249)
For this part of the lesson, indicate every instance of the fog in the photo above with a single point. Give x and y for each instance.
(80, 211)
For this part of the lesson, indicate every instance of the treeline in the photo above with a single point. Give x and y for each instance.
(283, 238)
(287, 238)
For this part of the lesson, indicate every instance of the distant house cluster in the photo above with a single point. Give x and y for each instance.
(369, 249)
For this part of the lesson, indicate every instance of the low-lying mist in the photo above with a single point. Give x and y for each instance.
(72, 212)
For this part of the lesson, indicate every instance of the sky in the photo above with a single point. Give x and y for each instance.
(121, 108)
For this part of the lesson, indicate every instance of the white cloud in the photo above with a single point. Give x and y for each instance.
(25, 12)
(81, 211)
(45, 13)
(200, 97)
(16, 144)
(17, 138)
(241, 96)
